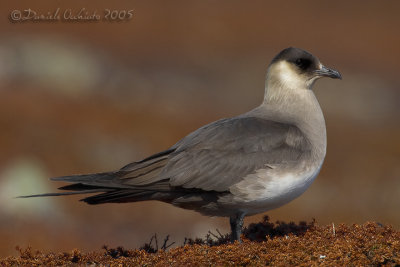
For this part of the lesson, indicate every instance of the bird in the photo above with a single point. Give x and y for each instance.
(233, 167)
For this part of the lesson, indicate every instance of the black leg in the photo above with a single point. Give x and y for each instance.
(236, 222)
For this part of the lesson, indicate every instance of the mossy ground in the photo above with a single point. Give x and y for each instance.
(265, 243)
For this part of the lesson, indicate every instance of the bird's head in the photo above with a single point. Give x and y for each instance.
(294, 68)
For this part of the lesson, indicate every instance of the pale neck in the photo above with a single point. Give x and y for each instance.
(297, 106)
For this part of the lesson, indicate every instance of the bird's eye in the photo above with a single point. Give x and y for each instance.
(302, 63)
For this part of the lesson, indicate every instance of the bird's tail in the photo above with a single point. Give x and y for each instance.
(136, 181)
(82, 184)
(109, 187)
(102, 183)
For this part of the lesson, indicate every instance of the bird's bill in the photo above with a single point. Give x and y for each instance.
(327, 72)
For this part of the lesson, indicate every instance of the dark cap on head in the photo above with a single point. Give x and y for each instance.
(305, 62)
(302, 59)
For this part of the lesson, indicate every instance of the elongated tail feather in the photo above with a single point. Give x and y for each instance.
(136, 181)
(63, 193)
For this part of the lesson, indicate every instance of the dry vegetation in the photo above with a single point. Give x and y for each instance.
(265, 243)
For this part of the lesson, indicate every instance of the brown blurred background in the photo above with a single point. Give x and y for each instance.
(79, 97)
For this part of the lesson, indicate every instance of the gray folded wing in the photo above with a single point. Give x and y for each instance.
(213, 158)
(222, 153)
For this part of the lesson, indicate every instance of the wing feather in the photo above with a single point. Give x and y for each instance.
(213, 158)
(221, 154)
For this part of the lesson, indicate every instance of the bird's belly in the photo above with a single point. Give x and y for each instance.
(268, 190)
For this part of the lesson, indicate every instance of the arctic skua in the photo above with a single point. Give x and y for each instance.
(233, 167)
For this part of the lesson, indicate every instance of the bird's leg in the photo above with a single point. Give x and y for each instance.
(236, 222)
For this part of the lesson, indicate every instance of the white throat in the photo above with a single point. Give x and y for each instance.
(283, 80)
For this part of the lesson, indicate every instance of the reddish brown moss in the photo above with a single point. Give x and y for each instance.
(356, 245)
